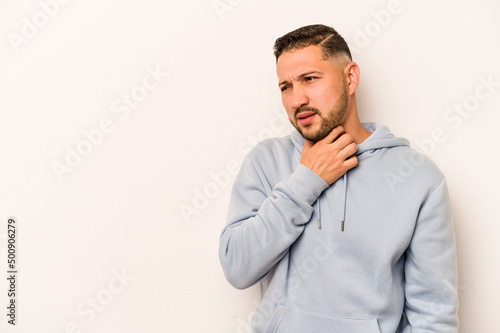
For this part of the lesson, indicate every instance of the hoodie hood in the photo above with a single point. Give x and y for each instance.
(381, 137)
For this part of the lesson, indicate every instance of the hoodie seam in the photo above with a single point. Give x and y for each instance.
(431, 193)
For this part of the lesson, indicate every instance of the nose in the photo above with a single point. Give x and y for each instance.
(299, 97)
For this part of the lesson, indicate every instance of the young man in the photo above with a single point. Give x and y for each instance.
(340, 236)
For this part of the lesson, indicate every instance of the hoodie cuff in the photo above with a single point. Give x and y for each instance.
(306, 184)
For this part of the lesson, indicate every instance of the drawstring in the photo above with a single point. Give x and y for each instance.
(319, 214)
(345, 202)
(344, 206)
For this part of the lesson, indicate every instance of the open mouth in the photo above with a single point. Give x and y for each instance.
(306, 117)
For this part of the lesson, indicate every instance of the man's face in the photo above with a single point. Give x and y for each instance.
(313, 91)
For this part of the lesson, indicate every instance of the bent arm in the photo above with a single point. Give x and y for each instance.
(431, 269)
(262, 225)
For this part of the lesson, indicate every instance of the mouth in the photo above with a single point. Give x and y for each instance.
(306, 117)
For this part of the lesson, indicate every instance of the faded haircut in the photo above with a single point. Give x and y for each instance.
(326, 37)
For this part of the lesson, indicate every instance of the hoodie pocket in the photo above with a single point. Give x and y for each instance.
(288, 320)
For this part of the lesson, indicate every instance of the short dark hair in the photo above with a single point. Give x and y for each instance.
(330, 41)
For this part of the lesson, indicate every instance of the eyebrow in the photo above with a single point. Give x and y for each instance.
(301, 76)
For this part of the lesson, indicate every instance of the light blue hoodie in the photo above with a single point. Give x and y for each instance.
(391, 269)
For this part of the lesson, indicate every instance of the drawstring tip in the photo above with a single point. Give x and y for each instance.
(319, 224)
(342, 225)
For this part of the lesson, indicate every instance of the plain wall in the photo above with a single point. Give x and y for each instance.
(123, 123)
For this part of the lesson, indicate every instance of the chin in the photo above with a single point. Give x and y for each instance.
(311, 136)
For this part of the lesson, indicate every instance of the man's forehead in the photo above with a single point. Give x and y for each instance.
(309, 53)
(299, 61)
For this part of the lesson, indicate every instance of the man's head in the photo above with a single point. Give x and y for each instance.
(332, 44)
(317, 79)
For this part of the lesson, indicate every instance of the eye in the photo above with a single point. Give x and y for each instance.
(284, 88)
(310, 78)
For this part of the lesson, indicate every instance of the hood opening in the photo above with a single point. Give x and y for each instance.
(381, 137)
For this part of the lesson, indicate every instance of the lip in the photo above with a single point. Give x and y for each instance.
(306, 117)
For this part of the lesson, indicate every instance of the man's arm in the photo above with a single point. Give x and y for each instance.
(261, 228)
(431, 268)
(263, 224)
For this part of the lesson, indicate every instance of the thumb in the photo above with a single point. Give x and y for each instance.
(307, 145)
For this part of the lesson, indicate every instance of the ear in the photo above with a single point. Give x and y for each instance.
(351, 75)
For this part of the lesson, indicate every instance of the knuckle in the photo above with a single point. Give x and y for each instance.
(345, 139)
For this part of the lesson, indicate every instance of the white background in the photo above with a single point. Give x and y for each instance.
(119, 209)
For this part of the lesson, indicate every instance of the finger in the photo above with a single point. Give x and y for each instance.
(348, 151)
(342, 141)
(333, 135)
(351, 162)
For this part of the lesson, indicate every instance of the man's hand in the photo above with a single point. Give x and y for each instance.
(330, 157)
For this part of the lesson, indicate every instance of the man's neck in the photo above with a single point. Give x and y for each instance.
(353, 126)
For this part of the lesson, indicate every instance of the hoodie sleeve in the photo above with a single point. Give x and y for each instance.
(431, 268)
(264, 220)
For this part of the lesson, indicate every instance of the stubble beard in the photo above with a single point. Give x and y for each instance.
(328, 123)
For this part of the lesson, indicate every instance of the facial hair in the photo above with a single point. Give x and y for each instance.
(331, 120)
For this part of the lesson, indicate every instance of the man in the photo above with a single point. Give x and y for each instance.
(338, 236)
